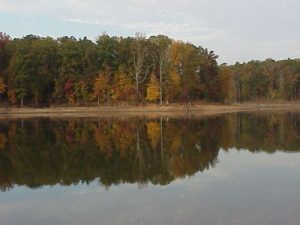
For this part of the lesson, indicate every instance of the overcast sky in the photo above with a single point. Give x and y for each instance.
(237, 30)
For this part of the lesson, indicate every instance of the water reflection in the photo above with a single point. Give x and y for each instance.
(39, 152)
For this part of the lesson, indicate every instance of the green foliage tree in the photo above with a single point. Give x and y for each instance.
(108, 52)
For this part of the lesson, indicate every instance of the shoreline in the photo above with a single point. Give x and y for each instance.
(149, 110)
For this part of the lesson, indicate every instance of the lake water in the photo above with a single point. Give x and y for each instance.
(233, 169)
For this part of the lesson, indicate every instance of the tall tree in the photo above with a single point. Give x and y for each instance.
(139, 54)
(161, 48)
(108, 52)
(208, 72)
(70, 65)
(4, 52)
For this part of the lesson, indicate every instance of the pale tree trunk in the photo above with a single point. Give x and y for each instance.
(139, 55)
(137, 87)
(160, 84)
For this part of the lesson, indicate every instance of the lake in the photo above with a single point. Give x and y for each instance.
(241, 168)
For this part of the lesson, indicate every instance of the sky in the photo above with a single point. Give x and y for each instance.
(237, 30)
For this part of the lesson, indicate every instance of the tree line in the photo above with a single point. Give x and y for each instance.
(267, 79)
(113, 70)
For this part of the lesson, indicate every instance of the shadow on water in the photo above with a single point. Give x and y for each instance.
(38, 152)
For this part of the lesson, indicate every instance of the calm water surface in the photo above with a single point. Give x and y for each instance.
(235, 169)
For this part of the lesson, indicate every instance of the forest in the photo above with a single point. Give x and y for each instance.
(43, 71)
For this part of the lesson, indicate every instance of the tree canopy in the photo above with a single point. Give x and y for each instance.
(42, 71)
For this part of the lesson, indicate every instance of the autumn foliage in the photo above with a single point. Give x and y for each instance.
(153, 89)
(43, 71)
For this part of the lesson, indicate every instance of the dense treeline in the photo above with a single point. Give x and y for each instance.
(50, 151)
(268, 79)
(41, 71)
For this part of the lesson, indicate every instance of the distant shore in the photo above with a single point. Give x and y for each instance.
(148, 110)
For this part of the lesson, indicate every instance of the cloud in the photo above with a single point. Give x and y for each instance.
(230, 27)
(151, 16)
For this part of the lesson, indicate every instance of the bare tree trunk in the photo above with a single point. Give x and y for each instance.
(139, 55)
(160, 84)
(137, 88)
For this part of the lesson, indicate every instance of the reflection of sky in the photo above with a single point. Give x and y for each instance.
(243, 188)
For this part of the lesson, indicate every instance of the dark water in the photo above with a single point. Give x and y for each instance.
(235, 169)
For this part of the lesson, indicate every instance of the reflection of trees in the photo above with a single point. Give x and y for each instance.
(265, 132)
(136, 150)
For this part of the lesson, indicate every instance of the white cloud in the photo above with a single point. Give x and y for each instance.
(151, 17)
(230, 27)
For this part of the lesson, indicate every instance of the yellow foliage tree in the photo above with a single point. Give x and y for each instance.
(153, 89)
(174, 53)
(101, 87)
(173, 88)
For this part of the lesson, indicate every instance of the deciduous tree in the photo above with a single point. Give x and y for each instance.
(102, 88)
(153, 90)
